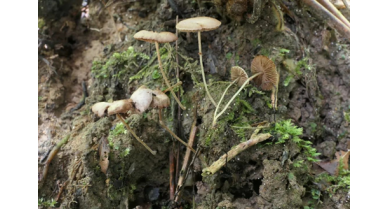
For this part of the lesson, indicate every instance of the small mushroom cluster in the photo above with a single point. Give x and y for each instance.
(140, 101)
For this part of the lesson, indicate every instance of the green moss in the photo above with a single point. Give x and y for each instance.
(118, 64)
(286, 130)
(41, 23)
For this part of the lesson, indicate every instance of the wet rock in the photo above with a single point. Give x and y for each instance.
(327, 149)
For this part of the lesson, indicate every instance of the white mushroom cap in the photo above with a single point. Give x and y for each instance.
(142, 98)
(198, 24)
(100, 108)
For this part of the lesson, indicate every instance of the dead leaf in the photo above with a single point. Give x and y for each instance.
(104, 153)
(332, 166)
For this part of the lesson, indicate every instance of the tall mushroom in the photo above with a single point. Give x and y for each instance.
(162, 37)
(199, 24)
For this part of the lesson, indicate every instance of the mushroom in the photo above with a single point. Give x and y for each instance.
(162, 37)
(268, 77)
(142, 98)
(265, 76)
(199, 24)
(100, 108)
(120, 106)
(237, 73)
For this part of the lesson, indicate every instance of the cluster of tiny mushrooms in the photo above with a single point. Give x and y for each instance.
(263, 69)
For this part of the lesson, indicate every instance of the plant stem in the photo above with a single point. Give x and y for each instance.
(165, 78)
(232, 99)
(172, 87)
(221, 98)
(330, 7)
(202, 69)
(332, 21)
(134, 134)
(171, 132)
(185, 164)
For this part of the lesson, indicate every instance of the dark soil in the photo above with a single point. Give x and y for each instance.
(316, 99)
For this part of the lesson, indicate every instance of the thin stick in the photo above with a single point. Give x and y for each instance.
(328, 5)
(134, 134)
(165, 78)
(172, 87)
(171, 132)
(202, 69)
(332, 20)
(171, 175)
(187, 156)
(61, 190)
(232, 99)
(233, 152)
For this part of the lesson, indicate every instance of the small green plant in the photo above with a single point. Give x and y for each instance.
(125, 152)
(286, 130)
(47, 203)
(228, 55)
(287, 80)
(283, 51)
(316, 194)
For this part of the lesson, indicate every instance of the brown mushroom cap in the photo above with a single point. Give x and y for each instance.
(198, 24)
(269, 77)
(238, 73)
(150, 36)
(160, 100)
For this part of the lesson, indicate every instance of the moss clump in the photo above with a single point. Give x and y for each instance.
(286, 130)
(118, 64)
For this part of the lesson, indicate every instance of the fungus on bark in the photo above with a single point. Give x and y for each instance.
(199, 24)
(162, 37)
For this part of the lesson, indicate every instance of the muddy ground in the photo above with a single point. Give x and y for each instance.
(99, 50)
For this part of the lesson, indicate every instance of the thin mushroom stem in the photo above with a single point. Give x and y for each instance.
(232, 99)
(165, 78)
(221, 98)
(171, 132)
(202, 69)
(172, 87)
(134, 134)
(332, 20)
(330, 7)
